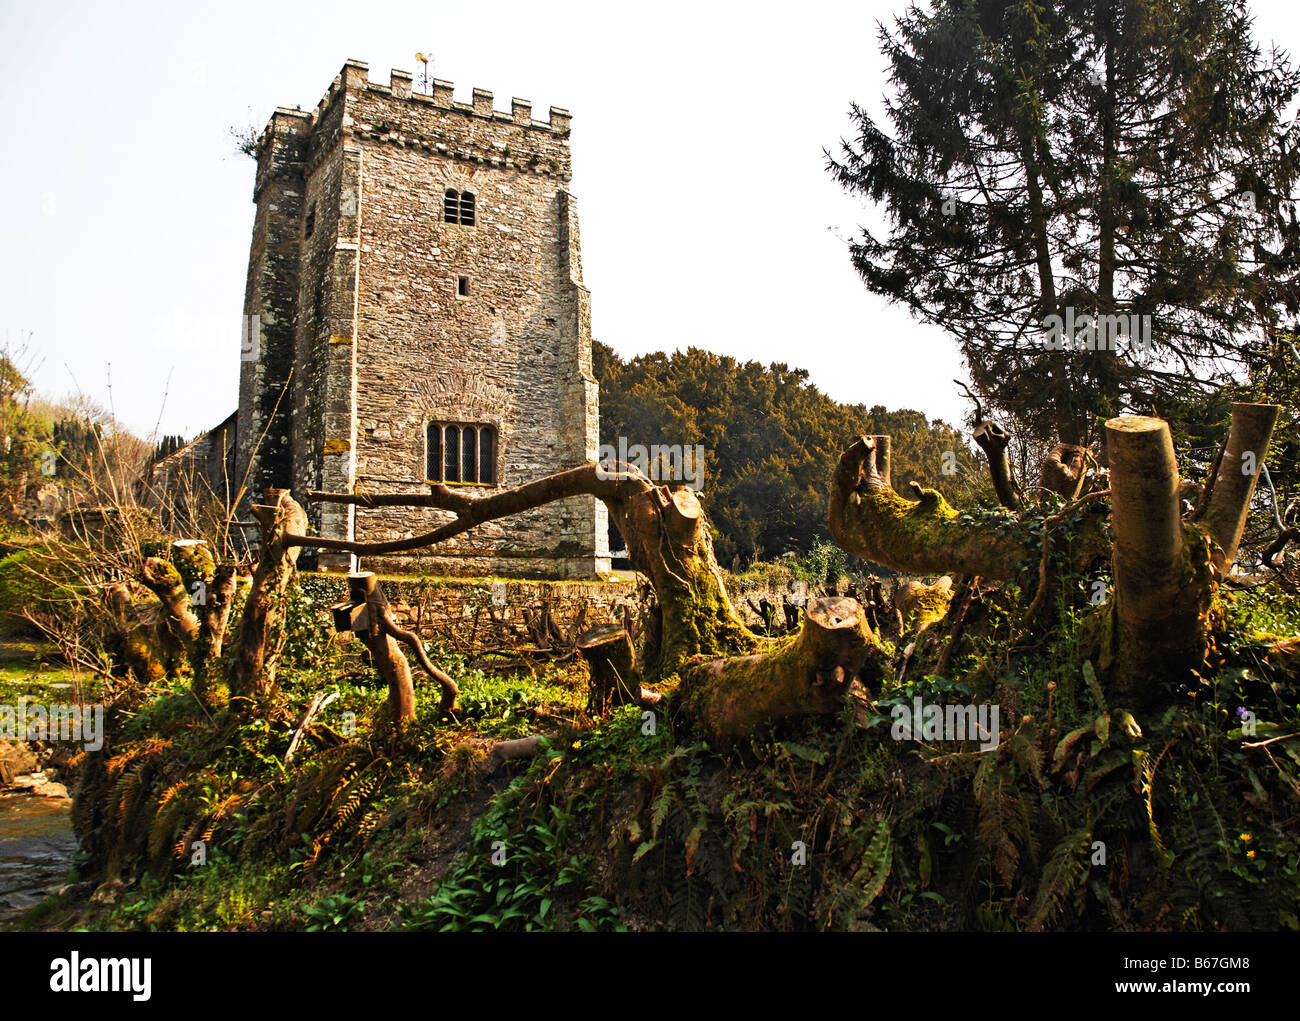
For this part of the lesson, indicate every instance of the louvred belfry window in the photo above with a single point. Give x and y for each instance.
(458, 207)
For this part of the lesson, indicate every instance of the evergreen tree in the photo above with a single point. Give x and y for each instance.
(1086, 158)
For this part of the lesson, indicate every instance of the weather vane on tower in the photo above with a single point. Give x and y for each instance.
(426, 83)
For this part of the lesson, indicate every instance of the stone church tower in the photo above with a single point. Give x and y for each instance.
(415, 312)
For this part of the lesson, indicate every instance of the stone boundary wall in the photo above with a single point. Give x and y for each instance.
(492, 612)
(495, 612)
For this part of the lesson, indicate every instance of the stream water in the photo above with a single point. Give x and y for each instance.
(37, 846)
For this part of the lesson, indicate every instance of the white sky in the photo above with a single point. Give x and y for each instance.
(697, 137)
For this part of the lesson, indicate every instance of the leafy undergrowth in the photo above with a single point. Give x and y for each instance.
(1084, 817)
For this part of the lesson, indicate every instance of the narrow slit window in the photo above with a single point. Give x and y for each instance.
(462, 287)
(311, 219)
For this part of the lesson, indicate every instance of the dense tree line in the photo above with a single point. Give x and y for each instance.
(166, 446)
(770, 441)
(77, 440)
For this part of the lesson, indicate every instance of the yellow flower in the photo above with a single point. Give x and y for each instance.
(1250, 854)
(1246, 837)
(578, 744)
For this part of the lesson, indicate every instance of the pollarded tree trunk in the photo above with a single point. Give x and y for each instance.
(366, 613)
(615, 681)
(921, 605)
(1234, 484)
(363, 588)
(1160, 566)
(211, 591)
(668, 540)
(214, 621)
(180, 623)
(195, 597)
(140, 646)
(993, 440)
(261, 633)
(1164, 581)
(922, 536)
(1064, 469)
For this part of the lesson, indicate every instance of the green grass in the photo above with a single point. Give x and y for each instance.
(32, 668)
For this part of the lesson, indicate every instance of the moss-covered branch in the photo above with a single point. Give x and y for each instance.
(809, 675)
(921, 536)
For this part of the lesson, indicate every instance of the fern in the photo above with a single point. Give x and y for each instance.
(872, 874)
(1062, 876)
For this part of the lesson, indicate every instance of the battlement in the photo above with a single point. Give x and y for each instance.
(355, 77)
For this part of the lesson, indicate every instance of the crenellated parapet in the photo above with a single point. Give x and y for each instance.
(434, 122)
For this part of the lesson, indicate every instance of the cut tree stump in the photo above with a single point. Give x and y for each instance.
(1160, 567)
(608, 653)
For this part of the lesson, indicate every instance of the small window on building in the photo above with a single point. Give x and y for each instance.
(458, 207)
(462, 287)
(463, 453)
(311, 219)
